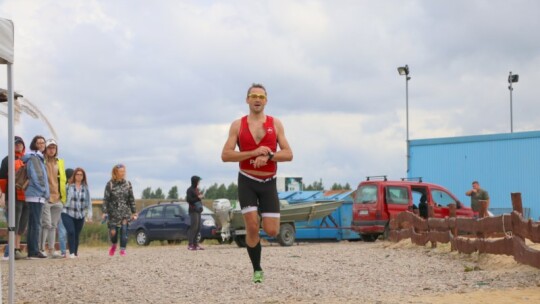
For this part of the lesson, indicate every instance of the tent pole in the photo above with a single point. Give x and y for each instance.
(11, 184)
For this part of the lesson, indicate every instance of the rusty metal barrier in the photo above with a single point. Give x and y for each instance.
(503, 234)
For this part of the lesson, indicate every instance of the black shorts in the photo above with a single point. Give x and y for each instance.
(259, 196)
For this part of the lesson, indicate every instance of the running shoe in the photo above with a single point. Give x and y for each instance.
(258, 276)
(38, 256)
(112, 250)
(19, 255)
(191, 247)
(72, 256)
(199, 247)
(122, 252)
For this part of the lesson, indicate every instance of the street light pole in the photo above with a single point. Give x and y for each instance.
(405, 71)
(512, 79)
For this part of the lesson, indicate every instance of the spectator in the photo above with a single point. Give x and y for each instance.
(61, 229)
(119, 207)
(78, 206)
(56, 174)
(194, 197)
(477, 194)
(423, 207)
(36, 194)
(21, 207)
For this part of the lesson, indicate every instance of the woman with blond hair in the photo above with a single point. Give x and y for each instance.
(118, 207)
(78, 206)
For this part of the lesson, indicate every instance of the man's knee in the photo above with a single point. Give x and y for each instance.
(271, 231)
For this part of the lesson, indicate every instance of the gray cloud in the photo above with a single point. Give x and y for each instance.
(156, 87)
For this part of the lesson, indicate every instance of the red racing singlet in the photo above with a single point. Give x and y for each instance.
(246, 142)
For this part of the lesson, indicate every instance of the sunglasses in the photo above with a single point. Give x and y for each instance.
(261, 96)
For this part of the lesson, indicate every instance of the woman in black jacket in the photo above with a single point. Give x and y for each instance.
(194, 197)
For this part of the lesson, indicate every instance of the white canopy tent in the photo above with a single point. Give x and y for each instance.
(7, 44)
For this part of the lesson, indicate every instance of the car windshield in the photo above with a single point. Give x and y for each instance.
(366, 194)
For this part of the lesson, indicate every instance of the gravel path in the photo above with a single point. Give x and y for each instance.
(342, 272)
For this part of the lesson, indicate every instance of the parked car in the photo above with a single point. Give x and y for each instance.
(377, 200)
(169, 221)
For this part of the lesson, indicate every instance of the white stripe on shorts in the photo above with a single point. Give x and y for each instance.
(269, 214)
(249, 209)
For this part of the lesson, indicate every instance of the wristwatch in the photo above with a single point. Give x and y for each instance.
(270, 155)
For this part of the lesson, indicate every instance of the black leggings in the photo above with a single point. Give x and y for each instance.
(194, 228)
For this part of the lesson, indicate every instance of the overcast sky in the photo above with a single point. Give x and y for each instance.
(156, 84)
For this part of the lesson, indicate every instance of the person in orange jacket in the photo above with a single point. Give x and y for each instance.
(21, 207)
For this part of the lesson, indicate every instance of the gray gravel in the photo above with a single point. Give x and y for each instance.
(345, 272)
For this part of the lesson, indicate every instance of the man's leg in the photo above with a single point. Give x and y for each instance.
(270, 225)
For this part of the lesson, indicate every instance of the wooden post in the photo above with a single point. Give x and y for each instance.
(431, 213)
(483, 208)
(452, 212)
(516, 202)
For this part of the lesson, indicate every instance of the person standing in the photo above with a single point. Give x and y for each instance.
(78, 206)
(62, 233)
(257, 136)
(118, 207)
(194, 197)
(50, 217)
(21, 207)
(36, 194)
(478, 194)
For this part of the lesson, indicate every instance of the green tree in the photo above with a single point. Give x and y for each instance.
(232, 192)
(221, 191)
(173, 193)
(347, 187)
(159, 194)
(211, 192)
(147, 193)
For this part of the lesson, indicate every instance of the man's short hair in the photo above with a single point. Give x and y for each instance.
(258, 86)
(476, 182)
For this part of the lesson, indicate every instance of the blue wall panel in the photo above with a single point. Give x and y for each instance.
(502, 163)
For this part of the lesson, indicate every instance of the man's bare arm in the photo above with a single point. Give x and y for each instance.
(229, 154)
(285, 153)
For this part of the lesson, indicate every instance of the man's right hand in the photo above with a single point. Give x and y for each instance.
(262, 150)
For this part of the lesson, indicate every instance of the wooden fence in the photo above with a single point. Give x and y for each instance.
(504, 234)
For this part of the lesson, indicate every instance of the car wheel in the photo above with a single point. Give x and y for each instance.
(286, 235)
(142, 238)
(369, 237)
(240, 240)
(227, 241)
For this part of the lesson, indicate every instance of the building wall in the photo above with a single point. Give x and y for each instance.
(501, 163)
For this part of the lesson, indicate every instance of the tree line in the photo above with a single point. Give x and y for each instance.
(216, 191)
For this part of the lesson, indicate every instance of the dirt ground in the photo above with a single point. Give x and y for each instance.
(344, 272)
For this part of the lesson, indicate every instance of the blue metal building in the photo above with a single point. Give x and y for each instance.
(501, 163)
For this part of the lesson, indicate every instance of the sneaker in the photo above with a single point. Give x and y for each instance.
(38, 256)
(72, 256)
(112, 250)
(19, 255)
(258, 276)
(122, 252)
(199, 247)
(191, 247)
(43, 253)
(5, 258)
(55, 255)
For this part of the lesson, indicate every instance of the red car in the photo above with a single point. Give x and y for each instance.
(377, 200)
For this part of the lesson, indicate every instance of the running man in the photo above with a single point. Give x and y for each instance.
(257, 136)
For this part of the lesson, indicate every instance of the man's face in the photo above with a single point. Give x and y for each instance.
(476, 186)
(51, 150)
(19, 147)
(256, 100)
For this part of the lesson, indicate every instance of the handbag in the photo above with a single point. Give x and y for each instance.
(198, 207)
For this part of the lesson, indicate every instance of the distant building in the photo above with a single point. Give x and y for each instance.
(501, 163)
